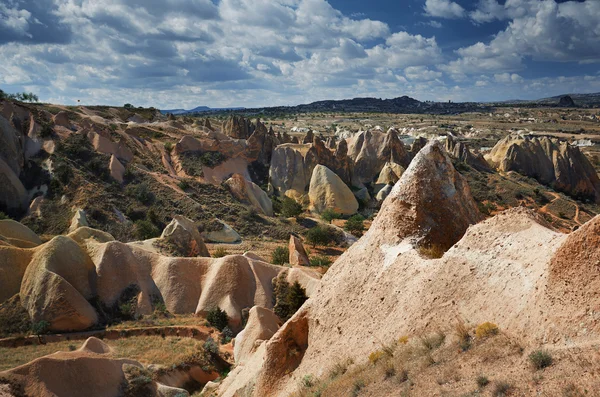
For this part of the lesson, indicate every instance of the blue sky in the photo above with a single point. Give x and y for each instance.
(185, 53)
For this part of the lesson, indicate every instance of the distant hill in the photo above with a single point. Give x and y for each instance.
(198, 109)
(402, 104)
(585, 100)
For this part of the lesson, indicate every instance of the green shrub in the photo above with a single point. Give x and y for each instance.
(319, 235)
(145, 230)
(540, 359)
(280, 256)
(3, 216)
(320, 261)
(220, 252)
(328, 215)
(290, 208)
(355, 225)
(210, 346)
(226, 335)
(46, 131)
(501, 389)
(168, 146)
(482, 381)
(141, 192)
(139, 381)
(40, 328)
(217, 318)
(183, 184)
(288, 298)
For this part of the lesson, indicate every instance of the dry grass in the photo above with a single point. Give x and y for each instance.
(160, 321)
(168, 351)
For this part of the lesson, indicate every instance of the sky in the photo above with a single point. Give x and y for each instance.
(253, 53)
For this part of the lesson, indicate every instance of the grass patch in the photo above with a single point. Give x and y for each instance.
(540, 359)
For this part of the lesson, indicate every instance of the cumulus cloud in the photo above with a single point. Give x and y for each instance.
(542, 30)
(444, 9)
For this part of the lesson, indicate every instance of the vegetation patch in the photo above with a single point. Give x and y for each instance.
(287, 298)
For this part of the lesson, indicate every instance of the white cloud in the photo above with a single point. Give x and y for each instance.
(508, 78)
(444, 9)
(421, 73)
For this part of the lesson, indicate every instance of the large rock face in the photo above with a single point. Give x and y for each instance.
(57, 284)
(238, 127)
(328, 191)
(249, 192)
(511, 269)
(287, 175)
(550, 161)
(431, 202)
(371, 150)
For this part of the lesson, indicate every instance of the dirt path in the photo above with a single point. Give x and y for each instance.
(186, 331)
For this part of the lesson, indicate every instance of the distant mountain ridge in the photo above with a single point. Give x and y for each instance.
(197, 109)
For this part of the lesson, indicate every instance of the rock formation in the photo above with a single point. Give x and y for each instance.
(309, 137)
(78, 220)
(225, 234)
(237, 127)
(249, 192)
(116, 169)
(298, 256)
(183, 237)
(370, 151)
(550, 161)
(57, 285)
(495, 267)
(287, 174)
(91, 370)
(390, 173)
(13, 194)
(261, 326)
(328, 191)
(459, 151)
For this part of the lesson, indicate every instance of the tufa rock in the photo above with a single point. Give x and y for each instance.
(183, 236)
(328, 191)
(298, 256)
(261, 326)
(249, 192)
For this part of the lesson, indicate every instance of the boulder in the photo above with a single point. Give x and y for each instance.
(57, 285)
(117, 170)
(249, 192)
(328, 191)
(78, 220)
(261, 326)
(298, 255)
(225, 235)
(390, 173)
(182, 236)
(18, 234)
(35, 208)
(550, 161)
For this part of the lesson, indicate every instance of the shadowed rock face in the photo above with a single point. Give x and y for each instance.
(550, 162)
(372, 150)
(238, 127)
(460, 151)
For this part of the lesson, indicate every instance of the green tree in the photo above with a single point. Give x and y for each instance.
(290, 208)
(328, 215)
(280, 256)
(217, 318)
(144, 230)
(319, 235)
(355, 225)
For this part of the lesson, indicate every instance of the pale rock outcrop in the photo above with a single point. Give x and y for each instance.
(371, 150)
(550, 161)
(13, 263)
(287, 175)
(117, 170)
(118, 267)
(261, 326)
(35, 207)
(104, 145)
(82, 234)
(78, 220)
(328, 191)
(390, 173)
(57, 284)
(89, 371)
(237, 127)
(298, 255)
(249, 192)
(18, 234)
(183, 236)
(226, 235)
